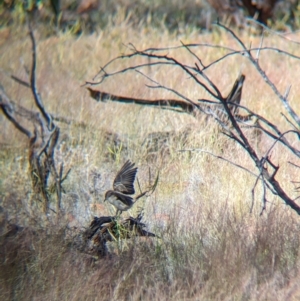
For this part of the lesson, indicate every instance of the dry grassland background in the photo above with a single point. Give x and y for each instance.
(210, 247)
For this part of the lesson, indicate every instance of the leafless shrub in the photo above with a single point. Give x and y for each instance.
(42, 139)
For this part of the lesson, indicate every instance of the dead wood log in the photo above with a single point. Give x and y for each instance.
(210, 108)
(173, 103)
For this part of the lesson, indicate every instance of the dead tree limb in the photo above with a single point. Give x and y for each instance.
(174, 103)
(260, 163)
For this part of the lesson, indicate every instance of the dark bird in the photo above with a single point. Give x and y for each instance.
(123, 188)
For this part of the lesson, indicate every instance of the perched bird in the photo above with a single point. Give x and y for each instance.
(122, 188)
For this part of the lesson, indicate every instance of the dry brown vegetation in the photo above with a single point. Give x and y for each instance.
(210, 247)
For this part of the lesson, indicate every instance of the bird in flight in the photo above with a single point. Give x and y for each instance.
(122, 188)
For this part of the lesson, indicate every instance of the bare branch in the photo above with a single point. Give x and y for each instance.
(277, 33)
(164, 60)
(20, 81)
(264, 76)
(35, 92)
(218, 157)
(6, 106)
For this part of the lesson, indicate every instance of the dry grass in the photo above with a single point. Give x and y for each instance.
(211, 247)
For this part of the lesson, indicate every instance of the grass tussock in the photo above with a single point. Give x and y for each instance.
(210, 246)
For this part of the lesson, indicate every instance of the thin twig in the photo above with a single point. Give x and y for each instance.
(218, 157)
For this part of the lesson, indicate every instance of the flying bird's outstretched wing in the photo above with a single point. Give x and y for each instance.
(125, 179)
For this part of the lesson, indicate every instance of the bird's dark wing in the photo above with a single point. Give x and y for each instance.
(127, 200)
(125, 179)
